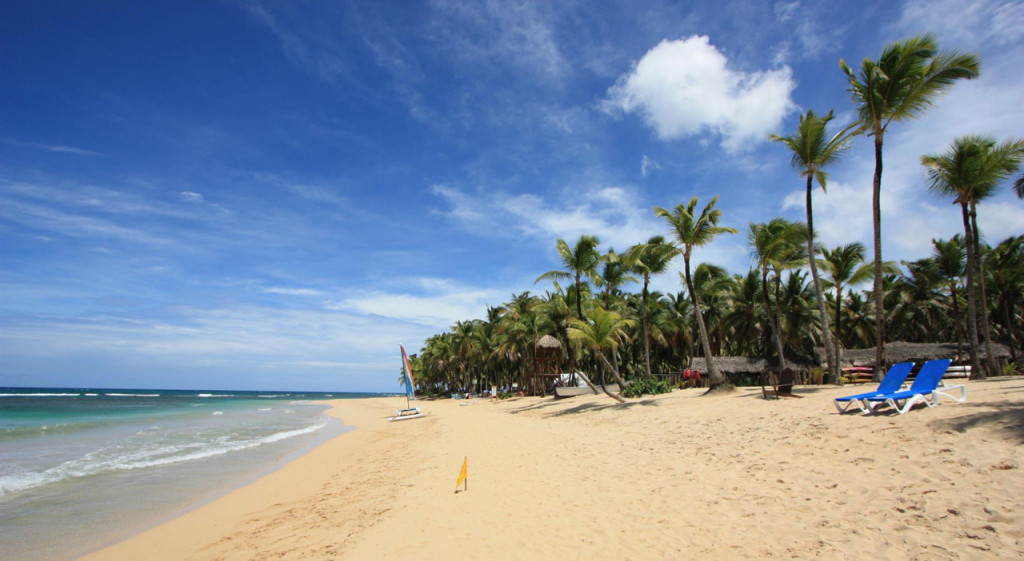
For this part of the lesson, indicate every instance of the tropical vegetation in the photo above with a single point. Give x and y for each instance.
(796, 297)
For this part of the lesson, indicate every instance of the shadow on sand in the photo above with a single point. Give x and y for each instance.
(1007, 417)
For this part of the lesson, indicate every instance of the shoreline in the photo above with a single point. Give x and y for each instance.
(724, 477)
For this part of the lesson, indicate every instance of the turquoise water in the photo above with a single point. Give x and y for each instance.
(80, 469)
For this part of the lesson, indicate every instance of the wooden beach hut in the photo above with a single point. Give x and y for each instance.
(547, 363)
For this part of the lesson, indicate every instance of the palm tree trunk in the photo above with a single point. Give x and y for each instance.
(773, 319)
(826, 335)
(715, 378)
(959, 320)
(1011, 341)
(778, 322)
(618, 378)
(839, 347)
(647, 336)
(972, 314)
(986, 326)
(876, 208)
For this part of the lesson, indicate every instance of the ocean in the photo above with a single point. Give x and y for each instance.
(81, 469)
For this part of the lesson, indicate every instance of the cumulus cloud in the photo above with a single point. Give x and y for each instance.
(685, 88)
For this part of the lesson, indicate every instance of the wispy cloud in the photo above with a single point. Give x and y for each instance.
(289, 291)
(999, 22)
(191, 196)
(685, 88)
(611, 213)
(58, 148)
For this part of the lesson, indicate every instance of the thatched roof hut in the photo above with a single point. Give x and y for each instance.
(752, 365)
(548, 342)
(909, 352)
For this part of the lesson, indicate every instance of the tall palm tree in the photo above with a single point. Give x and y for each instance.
(845, 266)
(950, 261)
(648, 259)
(969, 172)
(692, 230)
(812, 151)
(580, 261)
(901, 85)
(603, 330)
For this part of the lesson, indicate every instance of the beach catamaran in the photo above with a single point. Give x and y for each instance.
(409, 412)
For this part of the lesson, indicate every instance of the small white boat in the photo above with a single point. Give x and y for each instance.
(413, 413)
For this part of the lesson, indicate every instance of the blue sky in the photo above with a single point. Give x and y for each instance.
(275, 195)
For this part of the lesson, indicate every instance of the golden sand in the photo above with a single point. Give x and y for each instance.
(676, 476)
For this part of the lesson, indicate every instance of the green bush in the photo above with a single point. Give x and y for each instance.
(647, 386)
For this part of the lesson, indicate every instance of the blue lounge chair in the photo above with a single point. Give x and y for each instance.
(892, 382)
(925, 389)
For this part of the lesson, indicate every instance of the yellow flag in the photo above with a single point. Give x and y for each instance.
(463, 477)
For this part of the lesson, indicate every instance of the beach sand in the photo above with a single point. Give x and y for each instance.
(674, 476)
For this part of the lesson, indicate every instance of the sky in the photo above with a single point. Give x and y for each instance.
(276, 195)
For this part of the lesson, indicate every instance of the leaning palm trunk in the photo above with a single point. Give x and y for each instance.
(826, 336)
(972, 313)
(588, 382)
(618, 378)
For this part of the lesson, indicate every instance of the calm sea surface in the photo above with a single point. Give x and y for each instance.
(80, 469)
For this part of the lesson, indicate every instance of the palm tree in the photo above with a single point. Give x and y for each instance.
(899, 86)
(969, 172)
(949, 259)
(812, 152)
(845, 266)
(580, 261)
(772, 246)
(614, 273)
(1005, 265)
(604, 330)
(647, 259)
(692, 231)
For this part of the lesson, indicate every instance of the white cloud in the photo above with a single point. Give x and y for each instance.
(430, 302)
(610, 213)
(287, 291)
(785, 11)
(647, 164)
(516, 34)
(58, 148)
(191, 197)
(684, 88)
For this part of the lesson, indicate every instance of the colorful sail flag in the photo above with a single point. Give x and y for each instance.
(463, 475)
(410, 384)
